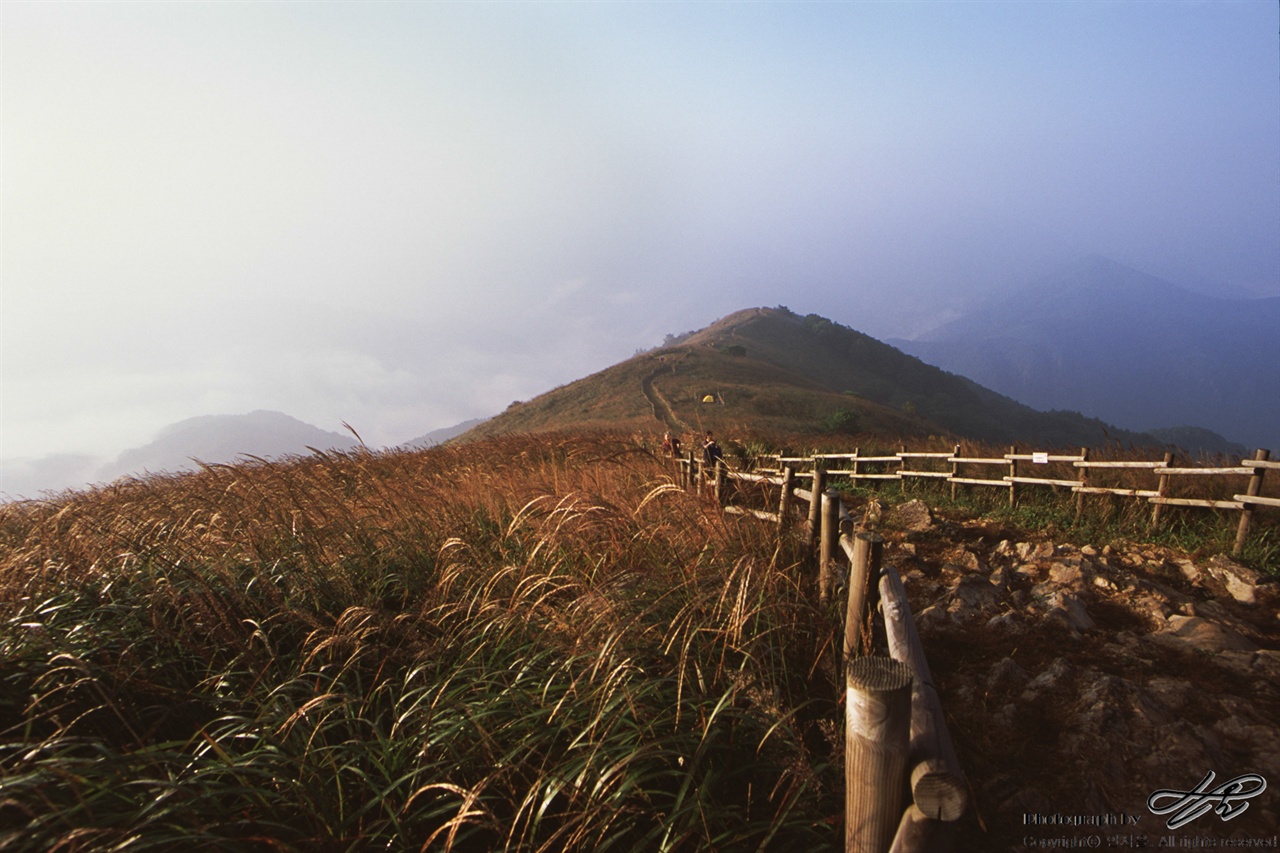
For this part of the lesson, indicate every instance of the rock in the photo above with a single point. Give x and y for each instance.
(933, 618)
(1006, 676)
(1043, 551)
(1068, 608)
(1065, 575)
(908, 548)
(913, 516)
(1054, 677)
(1241, 582)
(1005, 548)
(1189, 570)
(1008, 623)
(974, 592)
(1007, 576)
(1199, 633)
(1172, 693)
(1264, 741)
(1266, 662)
(968, 560)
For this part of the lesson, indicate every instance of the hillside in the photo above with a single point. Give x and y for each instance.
(1115, 343)
(769, 369)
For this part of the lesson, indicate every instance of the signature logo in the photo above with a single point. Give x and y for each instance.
(1228, 800)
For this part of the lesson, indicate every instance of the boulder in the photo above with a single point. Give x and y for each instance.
(912, 516)
(1202, 634)
(1241, 582)
(974, 592)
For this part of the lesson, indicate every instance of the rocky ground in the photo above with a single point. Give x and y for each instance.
(1079, 681)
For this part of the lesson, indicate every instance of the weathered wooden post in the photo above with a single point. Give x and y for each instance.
(1246, 514)
(815, 500)
(827, 550)
(863, 569)
(937, 784)
(691, 480)
(719, 482)
(784, 503)
(1013, 472)
(919, 833)
(877, 719)
(1084, 481)
(1161, 491)
(955, 469)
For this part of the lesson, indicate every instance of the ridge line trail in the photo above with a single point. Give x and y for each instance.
(661, 408)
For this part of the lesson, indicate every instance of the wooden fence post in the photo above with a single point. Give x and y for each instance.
(1161, 490)
(815, 500)
(864, 576)
(955, 469)
(1246, 514)
(827, 551)
(719, 482)
(1084, 481)
(902, 464)
(784, 503)
(1013, 472)
(877, 720)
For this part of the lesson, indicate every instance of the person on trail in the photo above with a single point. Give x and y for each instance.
(711, 453)
(666, 443)
(675, 446)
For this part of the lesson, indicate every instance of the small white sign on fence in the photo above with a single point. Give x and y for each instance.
(1040, 458)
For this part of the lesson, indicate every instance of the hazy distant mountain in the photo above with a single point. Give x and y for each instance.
(31, 478)
(225, 438)
(1198, 440)
(1120, 345)
(209, 438)
(440, 436)
(772, 369)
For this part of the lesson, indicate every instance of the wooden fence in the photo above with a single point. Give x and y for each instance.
(1017, 469)
(896, 739)
(895, 735)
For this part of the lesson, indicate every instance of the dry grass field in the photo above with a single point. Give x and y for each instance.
(519, 644)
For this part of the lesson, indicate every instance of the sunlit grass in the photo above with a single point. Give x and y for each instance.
(525, 644)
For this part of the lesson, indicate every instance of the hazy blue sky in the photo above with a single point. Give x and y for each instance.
(403, 215)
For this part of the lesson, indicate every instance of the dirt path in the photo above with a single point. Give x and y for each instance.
(661, 408)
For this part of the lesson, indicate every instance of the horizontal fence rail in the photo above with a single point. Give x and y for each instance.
(1019, 469)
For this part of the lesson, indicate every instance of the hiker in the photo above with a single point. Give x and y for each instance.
(675, 446)
(666, 443)
(711, 453)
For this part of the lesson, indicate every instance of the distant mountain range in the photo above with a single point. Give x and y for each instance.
(440, 436)
(208, 438)
(225, 438)
(1120, 345)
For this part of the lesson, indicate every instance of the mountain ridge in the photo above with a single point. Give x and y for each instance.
(1121, 345)
(772, 369)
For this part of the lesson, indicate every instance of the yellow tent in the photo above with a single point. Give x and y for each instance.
(708, 399)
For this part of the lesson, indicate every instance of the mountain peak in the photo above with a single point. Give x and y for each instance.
(770, 369)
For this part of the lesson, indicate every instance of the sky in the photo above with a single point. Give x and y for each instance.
(404, 215)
